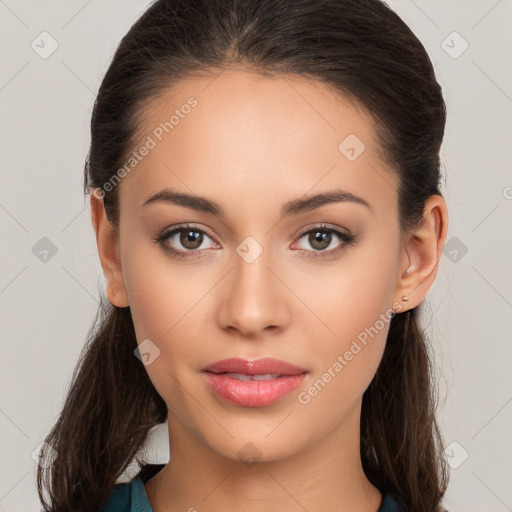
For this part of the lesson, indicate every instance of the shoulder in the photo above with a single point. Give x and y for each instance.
(119, 499)
(391, 504)
(131, 496)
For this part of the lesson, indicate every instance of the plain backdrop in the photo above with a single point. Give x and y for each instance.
(47, 303)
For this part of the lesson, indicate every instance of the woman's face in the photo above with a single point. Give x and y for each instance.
(253, 283)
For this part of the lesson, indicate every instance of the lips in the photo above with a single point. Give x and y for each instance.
(254, 367)
(253, 383)
(243, 376)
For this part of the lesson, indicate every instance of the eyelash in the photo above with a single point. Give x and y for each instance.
(347, 239)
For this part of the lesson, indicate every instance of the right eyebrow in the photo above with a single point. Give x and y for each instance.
(293, 207)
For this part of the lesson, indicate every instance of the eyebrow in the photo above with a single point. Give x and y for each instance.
(294, 207)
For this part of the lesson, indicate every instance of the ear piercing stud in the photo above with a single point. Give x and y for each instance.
(405, 298)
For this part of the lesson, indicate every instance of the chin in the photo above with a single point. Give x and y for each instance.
(252, 448)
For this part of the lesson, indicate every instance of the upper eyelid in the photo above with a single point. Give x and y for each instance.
(191, 226)
(326, 227)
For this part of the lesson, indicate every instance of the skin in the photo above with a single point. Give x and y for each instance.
(251, 144)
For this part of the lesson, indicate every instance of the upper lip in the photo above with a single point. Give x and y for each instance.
(254, 366)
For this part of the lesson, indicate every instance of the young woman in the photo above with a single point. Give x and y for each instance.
(265, 194)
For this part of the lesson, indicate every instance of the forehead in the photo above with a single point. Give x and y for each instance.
(239, 133)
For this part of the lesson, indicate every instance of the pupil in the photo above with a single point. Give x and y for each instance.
(191, 237)
(321, 237)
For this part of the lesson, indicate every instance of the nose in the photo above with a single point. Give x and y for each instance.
(254, 299)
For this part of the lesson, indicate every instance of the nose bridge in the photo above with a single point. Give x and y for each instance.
(253, 299)
(251, 273)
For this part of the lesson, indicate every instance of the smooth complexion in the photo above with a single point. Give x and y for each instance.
(253, 144)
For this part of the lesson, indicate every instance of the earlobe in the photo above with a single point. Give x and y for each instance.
(422, 253)
(109, 253)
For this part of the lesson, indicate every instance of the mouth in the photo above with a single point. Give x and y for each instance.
(255, 367)
(253, 383)
(244, 377)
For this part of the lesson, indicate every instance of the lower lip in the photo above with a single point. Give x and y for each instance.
(253, 393)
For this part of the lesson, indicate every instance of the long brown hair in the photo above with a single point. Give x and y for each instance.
(361, 49)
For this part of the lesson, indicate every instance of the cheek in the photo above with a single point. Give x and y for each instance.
(332, 393)
(159, 291)
(346, 299)
(162, 310)
(167, 307)
(354, 308)
(147, 294)
(346, 363)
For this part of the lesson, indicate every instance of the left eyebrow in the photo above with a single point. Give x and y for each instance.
(293, 207)
(312, 202)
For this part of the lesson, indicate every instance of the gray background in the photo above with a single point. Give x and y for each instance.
(48, 302)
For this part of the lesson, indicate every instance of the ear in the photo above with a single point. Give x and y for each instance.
(421, 254)
(108, 250)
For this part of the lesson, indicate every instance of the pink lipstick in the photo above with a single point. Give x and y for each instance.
(253, 383)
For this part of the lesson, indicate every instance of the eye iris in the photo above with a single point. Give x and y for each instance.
(320, 236)
(190, 235)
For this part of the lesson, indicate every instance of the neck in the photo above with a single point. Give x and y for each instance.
(324, 476)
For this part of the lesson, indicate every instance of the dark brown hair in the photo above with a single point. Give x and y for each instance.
(362, 50)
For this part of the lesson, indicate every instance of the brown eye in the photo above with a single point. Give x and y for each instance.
(319, 240)
(321, 237)
(182, 240)
(191, 238)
